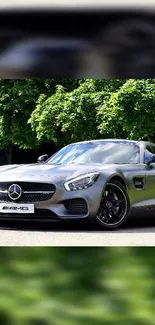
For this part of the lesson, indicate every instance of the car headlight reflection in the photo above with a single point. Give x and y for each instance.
(82, 182)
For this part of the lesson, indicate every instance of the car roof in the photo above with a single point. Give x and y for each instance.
(109, 140)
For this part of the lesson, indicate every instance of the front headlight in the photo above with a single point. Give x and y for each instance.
(81, 182)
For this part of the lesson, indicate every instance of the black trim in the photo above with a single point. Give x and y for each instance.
(138, 182)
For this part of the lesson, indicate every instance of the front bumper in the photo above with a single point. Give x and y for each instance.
(65, 205)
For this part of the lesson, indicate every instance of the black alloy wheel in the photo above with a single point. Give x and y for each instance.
(114, 207)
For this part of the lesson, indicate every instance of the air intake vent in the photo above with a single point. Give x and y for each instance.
(138, 182)
(76, 206)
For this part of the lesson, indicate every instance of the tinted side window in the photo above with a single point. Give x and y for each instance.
(153, 149)
(150, 149)
(148, 154)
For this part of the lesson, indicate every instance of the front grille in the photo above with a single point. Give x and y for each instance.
(76, 206)
(28, 187)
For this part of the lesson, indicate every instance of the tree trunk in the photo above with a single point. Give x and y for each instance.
(9, 153)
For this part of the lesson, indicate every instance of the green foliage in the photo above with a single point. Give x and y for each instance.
(77, 286)
(129, 112)
(72, 116)
(17, 101)
(34, 111)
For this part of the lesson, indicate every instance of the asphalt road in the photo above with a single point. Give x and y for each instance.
(139, 231)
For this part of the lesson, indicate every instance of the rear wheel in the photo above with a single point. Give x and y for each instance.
(114, 207)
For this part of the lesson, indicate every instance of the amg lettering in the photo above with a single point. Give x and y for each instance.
(16, 208)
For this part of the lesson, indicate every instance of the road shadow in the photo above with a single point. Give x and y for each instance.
(139, 221)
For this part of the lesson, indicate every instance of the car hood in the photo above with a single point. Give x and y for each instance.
(44, 172)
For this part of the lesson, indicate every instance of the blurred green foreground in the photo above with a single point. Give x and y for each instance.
(77, 286)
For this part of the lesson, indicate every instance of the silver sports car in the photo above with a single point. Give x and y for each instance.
(98, 180)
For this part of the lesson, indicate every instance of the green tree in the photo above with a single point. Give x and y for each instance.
(129, 112)
(72, 116)
(35, 111)
(17, 102)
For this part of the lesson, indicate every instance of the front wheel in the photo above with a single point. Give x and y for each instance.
(114, 207)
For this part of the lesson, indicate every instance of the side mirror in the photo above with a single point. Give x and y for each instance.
(151, 160)
(42, 158)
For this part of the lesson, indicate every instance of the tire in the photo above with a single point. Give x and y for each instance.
(115, 206)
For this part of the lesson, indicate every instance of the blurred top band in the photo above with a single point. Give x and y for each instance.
(76, 4)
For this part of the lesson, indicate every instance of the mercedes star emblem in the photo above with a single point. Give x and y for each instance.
(14, 192)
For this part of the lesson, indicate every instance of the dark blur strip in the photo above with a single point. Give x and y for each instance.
(71, 44)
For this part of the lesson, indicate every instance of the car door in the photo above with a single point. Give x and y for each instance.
(150, 177)
(135, 174)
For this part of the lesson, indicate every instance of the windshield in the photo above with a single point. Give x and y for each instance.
(98, 153)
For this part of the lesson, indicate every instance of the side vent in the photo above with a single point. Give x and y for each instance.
(138, 183)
